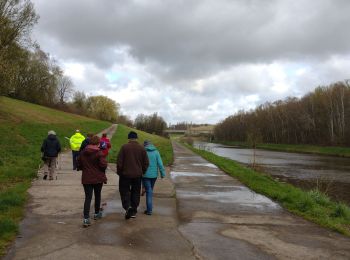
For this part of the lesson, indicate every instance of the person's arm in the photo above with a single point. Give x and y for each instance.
(102, 161)
(145, 161)
(160, 165)
(120, 160)
(42, 149)
(58, 146)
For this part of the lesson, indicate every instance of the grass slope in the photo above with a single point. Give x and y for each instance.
(121, 137)
(23, 126)
(311, 205)
(300, 148)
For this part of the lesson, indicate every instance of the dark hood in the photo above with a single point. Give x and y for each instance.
(52, 137)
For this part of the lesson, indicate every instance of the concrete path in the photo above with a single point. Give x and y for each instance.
(52, 228)
(225, 220)
(213, 217)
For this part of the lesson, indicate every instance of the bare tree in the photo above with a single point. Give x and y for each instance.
(64, 88)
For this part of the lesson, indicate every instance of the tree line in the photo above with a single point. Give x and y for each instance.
(152, 124)
(30, 74)
(321, 117)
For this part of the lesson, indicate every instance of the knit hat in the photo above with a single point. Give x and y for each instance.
(51, 132)
(132, 135)
(146, 142)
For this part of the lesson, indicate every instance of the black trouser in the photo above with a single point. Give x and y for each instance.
(88, 188)
(129, 189)
(75, 155)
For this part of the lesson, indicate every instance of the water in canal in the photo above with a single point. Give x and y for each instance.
(328, 173)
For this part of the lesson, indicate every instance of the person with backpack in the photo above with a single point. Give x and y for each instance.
(150, 177)
(50, 148)
(75, 143)
(93, 164)
(132, 163)
(105, 144)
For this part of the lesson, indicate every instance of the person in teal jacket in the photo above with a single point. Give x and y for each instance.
(149, 178)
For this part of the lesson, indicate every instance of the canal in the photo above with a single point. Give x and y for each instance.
(330, 174)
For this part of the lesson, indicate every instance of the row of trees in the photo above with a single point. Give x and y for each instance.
(153, 124)
(320, 117)
(28, 73)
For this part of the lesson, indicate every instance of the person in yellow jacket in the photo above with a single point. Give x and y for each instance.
(75, 143)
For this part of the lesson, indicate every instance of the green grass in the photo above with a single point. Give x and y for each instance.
(121, 137)
(300, 148)
(23, 126)
(312, 205)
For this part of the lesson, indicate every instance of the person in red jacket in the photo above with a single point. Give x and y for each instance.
(93, 164)
(105, 144)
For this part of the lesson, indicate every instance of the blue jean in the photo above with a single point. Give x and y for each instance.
(148, 183)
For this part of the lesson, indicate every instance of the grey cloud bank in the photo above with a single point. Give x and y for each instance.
(185, 59)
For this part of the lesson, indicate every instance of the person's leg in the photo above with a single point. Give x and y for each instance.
(52, 167)
(135, 194)
(124, 190)
(46, 168)
(97, 193)
(74, 160)
(149, 184)
(88, 188)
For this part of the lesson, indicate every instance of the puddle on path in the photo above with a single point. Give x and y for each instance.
(242, 196)
(193, 174)
(210, 165)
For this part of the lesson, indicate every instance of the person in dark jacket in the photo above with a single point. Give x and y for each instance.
(50, 148)
(132, 163)
(93, 164)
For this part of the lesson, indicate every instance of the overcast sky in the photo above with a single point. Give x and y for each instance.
(196, 60)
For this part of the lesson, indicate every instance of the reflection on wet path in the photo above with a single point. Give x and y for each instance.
(225, 220)
(328, 173)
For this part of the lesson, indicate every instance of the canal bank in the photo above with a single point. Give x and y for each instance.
(330, 174)
(225, 220)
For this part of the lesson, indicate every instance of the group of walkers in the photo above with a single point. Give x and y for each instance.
(137, 166)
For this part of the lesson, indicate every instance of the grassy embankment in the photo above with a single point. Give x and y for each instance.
(121, 137)
(311, 205)
(300, 148)
(23, 126)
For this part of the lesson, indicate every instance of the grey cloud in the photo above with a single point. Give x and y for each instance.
(189, 39)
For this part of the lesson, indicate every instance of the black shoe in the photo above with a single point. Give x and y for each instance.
(45, 177)
(128, 213)
(147, 213)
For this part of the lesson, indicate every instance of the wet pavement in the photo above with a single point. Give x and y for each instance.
(52, 227)
(330, 174)
(212, 217)
(225, 220)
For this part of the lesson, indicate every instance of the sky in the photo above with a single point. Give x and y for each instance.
(197, 61)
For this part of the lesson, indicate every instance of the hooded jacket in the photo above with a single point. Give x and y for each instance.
(93, 164)
(75, 141)
(51, 146)
(132, 161)
(155, 163)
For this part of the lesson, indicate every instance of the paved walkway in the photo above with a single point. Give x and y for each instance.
(225, 220)
(213, 217)
(52, 228)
